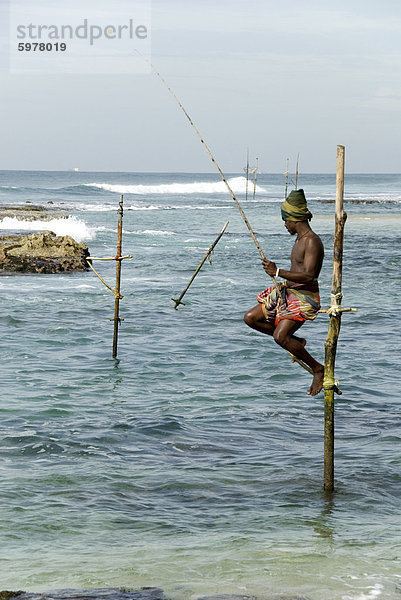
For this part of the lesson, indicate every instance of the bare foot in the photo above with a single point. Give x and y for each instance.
(317, 383)
(303, 342)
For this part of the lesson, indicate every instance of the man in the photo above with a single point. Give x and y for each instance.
(282, 314)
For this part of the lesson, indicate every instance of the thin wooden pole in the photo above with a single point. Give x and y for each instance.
(330, 385)
(118, 276)
(286, 179)
(255, 175)
(247, 174)
(178, 300)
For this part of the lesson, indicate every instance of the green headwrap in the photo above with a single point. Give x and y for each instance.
(294, 208)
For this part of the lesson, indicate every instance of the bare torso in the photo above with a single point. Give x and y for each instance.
(306, 257)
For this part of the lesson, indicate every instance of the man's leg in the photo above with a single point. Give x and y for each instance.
(284, 336)
(255, 318)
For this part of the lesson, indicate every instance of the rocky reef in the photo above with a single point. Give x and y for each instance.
(94, 594)
(31, 212)
(42, 253)
(150, 593)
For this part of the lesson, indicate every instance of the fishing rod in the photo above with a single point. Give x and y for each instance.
(178, 300)
(215, 164)
(276, 285)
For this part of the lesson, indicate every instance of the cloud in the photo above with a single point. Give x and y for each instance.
(306, 18)
(385, 99)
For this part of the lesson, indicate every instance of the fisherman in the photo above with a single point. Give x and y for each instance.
(280, 313)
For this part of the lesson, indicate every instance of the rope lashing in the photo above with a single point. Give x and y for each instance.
(329, 383)
(336, 309)
(111, 258)
(335, 306)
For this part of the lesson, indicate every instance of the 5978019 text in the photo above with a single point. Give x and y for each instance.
(42, 47)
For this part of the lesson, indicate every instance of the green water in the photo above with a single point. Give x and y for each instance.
(194, 461)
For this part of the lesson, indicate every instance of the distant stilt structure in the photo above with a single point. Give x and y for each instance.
(287, 174)
(116, 290)
(255, 176)
(247, 175)
(296, 173)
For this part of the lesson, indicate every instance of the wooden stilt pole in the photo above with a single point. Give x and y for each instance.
(330, 385)
(118, 276)
(118, 258)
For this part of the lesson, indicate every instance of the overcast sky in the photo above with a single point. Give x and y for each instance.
(275, 77)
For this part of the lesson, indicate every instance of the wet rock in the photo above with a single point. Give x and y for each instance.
(236, 597)
(126, 594)
(95, 594)
(228, 597)
(42, 253)
(359, 201)
(31, 212)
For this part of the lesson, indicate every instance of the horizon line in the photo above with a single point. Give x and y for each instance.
(193, 172)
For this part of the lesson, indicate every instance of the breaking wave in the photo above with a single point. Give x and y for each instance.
(72, 226)
(237, 184)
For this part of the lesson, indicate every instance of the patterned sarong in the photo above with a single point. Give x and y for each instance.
(302, 303)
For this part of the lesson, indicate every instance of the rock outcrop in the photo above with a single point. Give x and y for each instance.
(93, 594)
(31, 212)
(124, 594)
(42, 253)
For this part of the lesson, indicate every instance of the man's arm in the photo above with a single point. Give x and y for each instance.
(310, 268)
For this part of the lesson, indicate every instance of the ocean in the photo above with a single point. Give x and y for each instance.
(194, 461)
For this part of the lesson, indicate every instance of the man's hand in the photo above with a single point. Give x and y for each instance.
(269, 266)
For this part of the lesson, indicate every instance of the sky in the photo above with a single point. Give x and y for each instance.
(276, 78)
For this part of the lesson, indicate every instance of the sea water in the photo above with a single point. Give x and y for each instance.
(194, 462)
